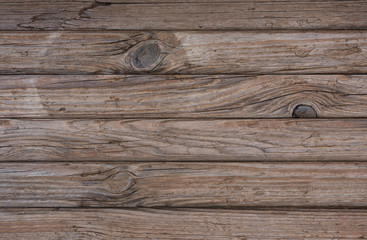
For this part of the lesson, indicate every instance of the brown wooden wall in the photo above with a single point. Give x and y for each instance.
(190, 119)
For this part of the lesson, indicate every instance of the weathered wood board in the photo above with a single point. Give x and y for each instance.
(183, 185)
(178, 140)
(150, 119)
(165, 52)
(113, 224)
(185, 96)
(182, 15)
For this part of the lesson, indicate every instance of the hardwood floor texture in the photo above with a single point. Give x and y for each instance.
(190, 119)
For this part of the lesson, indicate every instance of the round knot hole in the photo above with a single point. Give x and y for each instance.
(145, 56)
(304, 111)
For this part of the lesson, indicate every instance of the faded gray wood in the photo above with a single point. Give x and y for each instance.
(178, 140)
(183, 52)
(113, 224)
(174, 96)
(183, 15)
(183, 185)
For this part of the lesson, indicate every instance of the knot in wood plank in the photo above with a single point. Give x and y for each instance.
(304, 111)
(146, 56)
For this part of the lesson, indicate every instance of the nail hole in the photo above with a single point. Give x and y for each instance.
(62, 109)
(304, 111)
(145, 56)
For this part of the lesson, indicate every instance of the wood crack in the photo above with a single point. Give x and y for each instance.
(82, 12)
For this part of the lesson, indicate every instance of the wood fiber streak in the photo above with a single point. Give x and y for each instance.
(312, 52)
(181, 15)
(178, 140)
(174, 96)
(183, 185)
(113, 224)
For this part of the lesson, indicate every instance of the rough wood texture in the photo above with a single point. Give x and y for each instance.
(173, 96)
(183, 52)
(177, 140)
(183, 15)
(184, 185)
(113, 224)
(107, 106)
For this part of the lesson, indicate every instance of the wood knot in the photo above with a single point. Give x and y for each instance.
(146, 56)
(304, 111)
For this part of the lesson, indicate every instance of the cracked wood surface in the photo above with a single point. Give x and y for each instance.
(183, 185)
(113, 224)
(181, 15)
(178, 140)
(311, 52)
(175, 96)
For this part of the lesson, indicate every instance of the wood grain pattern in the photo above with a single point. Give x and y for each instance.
(111, 224)
(183, 185)
(179, 107)
(178, 140)
(174, 96)
(183, 52)
(183, 15)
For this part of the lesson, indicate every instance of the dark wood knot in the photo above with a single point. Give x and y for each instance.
(146, 56)
(304, 111)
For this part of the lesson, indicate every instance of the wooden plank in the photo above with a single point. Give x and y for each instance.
(184, 185)
(183, 52)
(178, 140)
(173, 96)
(52, 224)
(182, 15)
